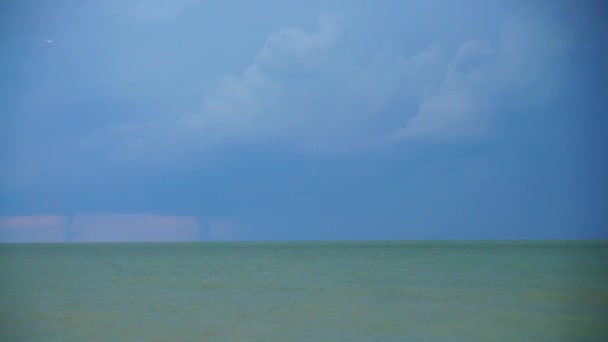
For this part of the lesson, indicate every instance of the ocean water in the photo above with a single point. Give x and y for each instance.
(305, 291)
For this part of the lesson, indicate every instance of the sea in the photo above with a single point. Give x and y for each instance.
(305, 291)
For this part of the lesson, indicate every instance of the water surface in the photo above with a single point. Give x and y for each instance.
(308, 291)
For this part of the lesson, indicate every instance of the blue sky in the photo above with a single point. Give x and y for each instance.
(273, 120)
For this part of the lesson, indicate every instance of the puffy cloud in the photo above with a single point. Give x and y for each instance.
(292, 50)
(465, 100)
(482, 82)
(305, 90)
(272, 97)
(133, 227)
(35, 228)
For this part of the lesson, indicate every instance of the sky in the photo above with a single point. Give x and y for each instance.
(186, 120)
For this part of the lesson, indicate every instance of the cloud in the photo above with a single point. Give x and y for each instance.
(35, 228)
(133, 228)
(269, 99)
(294, 50)
(304, 90)
(301, 90)
(99, 228)
(465, 100)
(482, 82)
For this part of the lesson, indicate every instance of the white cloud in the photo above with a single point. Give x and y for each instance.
(269, 99)
(304, 90)
(289, 50)
(481, 80)
(462, 104)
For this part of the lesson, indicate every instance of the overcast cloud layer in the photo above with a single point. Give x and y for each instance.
(318, 120)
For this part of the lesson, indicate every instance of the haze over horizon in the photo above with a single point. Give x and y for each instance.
(187, 120)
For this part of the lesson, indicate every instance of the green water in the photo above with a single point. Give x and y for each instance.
(364, 291)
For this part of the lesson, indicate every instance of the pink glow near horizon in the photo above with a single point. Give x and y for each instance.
(32, 221)
(99, 228)
(135, 227)
(33, 228)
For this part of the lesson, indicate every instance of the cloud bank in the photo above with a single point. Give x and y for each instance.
(99, 228)
(133, 228)
(36, 228)
(304, 91)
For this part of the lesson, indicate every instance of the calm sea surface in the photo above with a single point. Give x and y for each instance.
(305, 291)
